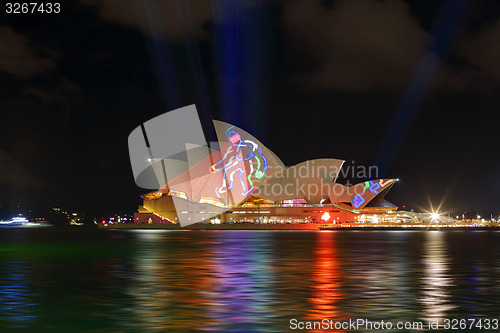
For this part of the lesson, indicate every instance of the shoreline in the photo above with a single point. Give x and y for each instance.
(292, 226)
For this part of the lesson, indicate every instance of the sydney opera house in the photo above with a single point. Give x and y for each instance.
(239, 180)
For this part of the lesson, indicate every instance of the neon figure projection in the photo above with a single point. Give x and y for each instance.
(232, 164)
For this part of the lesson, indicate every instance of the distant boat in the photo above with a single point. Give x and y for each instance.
(22, 222)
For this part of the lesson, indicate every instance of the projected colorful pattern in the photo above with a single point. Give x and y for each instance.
(232, 164)
(373, 186)
(358, 200)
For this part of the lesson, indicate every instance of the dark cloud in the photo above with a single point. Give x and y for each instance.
(358, 45)
(161, 19)
(63, 92)
(17, 57)
(482, 50)
(14, 174)
(370, 45)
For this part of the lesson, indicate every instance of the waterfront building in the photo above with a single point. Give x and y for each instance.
(243, 181)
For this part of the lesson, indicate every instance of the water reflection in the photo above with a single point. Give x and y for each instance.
(242, 299)
(220, 282)
(169, 284)
(402, 267)
(244, 281)
(150, 287)
(17, 303)
(325, 278)
(436, 280)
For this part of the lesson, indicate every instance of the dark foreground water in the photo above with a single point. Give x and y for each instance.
(243, 281)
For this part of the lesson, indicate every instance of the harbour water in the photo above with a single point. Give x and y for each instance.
(76, 280)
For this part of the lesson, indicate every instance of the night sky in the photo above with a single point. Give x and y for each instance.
(411, 86)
